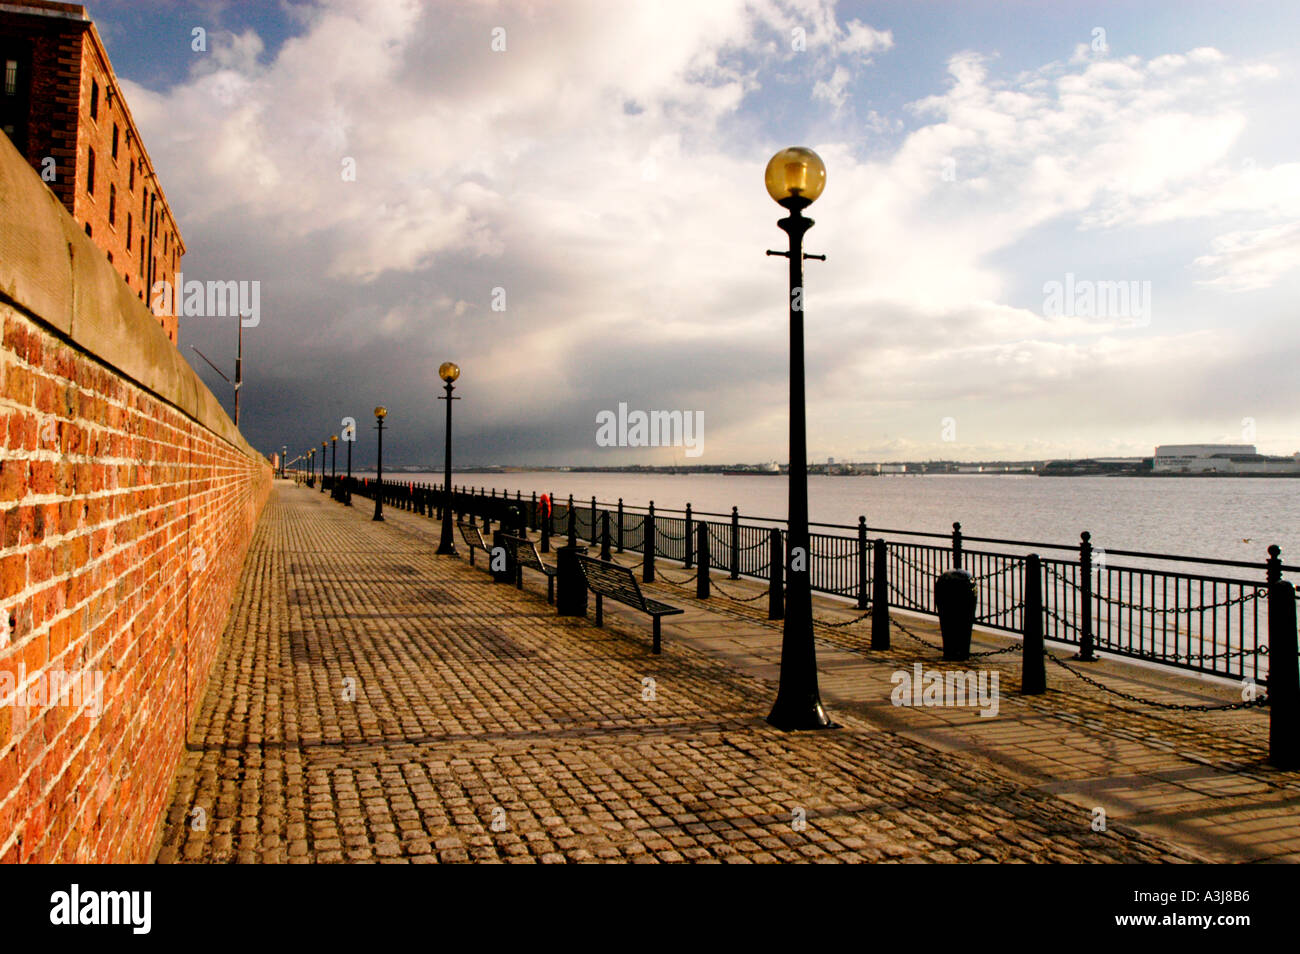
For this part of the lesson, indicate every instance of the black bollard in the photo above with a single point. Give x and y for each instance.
(1283, 678)
(863, 600)
(954, 597)
(687, 543)
(776, 576)
(702, 575)
(648, 548)
(735, 543)
(1033, 666)
(570, 584)
(620, 524)
(880, 595)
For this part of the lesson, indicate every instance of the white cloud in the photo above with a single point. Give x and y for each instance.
(1253, 259)
(604, 170)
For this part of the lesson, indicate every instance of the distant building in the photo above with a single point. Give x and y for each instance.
(61, 105)
(891, 468)
(1221, 459)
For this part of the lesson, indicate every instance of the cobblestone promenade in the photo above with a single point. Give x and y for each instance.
(374, 702)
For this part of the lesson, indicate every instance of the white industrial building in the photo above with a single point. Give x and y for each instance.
(1220, 459)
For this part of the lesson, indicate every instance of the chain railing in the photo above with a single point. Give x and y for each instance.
(1187, 612)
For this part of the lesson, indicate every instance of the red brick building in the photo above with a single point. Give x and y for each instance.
(62, 106)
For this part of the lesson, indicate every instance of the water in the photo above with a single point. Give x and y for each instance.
(1223, 518)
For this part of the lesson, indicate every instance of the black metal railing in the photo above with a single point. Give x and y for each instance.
(1191, 613)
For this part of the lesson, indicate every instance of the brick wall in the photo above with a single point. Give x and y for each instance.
(127, 502)
(75, 107)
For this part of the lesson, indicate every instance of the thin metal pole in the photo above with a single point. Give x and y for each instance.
(447, 544)
(379, 472)
(798, 700)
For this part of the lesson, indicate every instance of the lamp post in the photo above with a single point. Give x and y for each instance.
(334, 466)
(284, 454)
(349, 438)
(381, 412)
(795, 178)
(311, 467)
(323, 446)
(449, 371)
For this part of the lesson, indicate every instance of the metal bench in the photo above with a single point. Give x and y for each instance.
(473, 540)
(524, 554)
(617, 582)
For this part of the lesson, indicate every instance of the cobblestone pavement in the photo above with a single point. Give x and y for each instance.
(1199, 779)
(373, 702)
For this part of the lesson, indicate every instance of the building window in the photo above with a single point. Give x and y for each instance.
(115, 134)
(90, 177)
(110, 258)
(94, 99)
(131, 184)
(128, 232)
(112, 203)
(88, 232)
(11, 77)
(142, 256)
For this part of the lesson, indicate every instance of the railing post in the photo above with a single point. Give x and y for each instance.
(648, 547)
(573, 525)
(776, 577)
(863, 600)
(593, 518)
(532, 513)
(1273, 565)
(956, 545)
(880, 596)
(546, 527)
(604, 534)
(1086, 653)
(687, 543)
(735, 543)
(702, 575)
(1283, 676)
(620, 524)
(1033, 667)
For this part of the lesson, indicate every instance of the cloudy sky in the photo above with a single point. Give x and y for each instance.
(597, 168)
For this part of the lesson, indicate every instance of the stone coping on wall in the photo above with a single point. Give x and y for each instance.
(52, 271)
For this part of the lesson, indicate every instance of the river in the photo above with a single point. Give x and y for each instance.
(1219, 517)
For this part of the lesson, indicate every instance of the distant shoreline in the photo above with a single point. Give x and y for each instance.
(713, 473)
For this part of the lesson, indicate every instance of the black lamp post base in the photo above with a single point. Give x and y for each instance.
(797, 715)
(446, 549)
(378, 516)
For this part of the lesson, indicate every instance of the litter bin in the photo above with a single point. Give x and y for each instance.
(570, 584)
(507, 572)
(954, 595)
